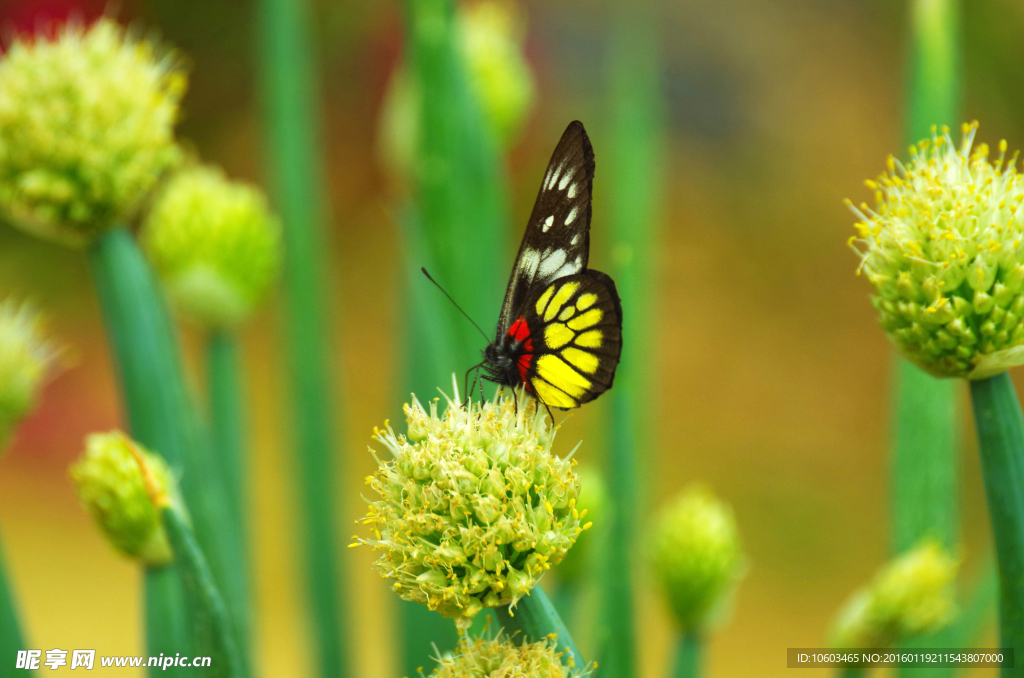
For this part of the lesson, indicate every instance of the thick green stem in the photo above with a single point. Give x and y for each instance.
(213, 626)
(226, 418)
(153, 396)
(10, 627)
(689, 654)
(227, 427)
(162, 419)
(1000, 426)
(634, 168)
(296, 168)
(534, 618)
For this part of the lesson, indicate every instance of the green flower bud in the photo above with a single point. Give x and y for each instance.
(910, 596)
(110, 486)
(696, 555)
(25, 360)
(215, 245)
(944, 249)
(592, 505)
(86, 129)
(500, 657)
(491, 36)
(457, 527)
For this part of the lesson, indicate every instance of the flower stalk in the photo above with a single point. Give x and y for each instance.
(10, 638)
(1000, 428)
(689, 651)
(297, 178)
(535, 619)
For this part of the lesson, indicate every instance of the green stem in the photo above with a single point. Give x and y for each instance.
(635, 163)
(534, 618)
(296, 169)
(689, 654)
(213, 625)
(227, 420)
(153, 395)
(1000, 426)
(10, 627)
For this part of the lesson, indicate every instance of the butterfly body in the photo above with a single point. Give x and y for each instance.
(560, 329)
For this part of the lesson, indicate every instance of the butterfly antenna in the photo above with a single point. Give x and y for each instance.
(455, 304)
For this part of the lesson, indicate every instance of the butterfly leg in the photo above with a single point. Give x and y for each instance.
(465, 383)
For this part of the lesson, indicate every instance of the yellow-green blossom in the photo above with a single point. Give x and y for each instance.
(696, 555)
(215, 244)
(490, 38)
(110, 486)
(501, 658)
(474, 507)
(86, 128)
(594, 500)
(910, 596)
(944, 249)
(26, 357)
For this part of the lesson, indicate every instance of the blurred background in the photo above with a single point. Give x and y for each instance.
(772, 379)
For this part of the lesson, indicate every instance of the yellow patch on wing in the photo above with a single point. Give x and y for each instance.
(561, 296)
(591, 339)
(584, 361)
(544, 298)
(566, 313)
(557, 335)
(586, 301)
(585, 320)
(558, 372)
(549, 395)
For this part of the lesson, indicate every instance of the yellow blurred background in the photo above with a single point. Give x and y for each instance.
(772, 379)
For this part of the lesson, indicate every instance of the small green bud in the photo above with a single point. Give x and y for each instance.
(944, 250)
(910, 596)
(697, 557)
(215, 245)
(491, 34)
(591, 506)
(499, 657)
(25, 360)
(86, 128)
(110, 486)
(457, 527)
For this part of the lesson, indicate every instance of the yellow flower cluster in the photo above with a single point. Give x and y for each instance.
(25, 359)
(474, 507)
(501, 658)
(944, 249)
(86, 128)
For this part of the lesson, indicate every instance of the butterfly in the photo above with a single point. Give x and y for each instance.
(560, 329)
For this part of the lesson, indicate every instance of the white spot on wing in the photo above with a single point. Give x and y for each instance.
(548, 223)
(575, 239)
(572, 215)
(553, 178)
(528, 264)
(550, 263)
(565, 269)
(565, 180)
(572, 191)
(579, 263)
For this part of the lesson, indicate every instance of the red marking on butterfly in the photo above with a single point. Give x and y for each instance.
(520, 331)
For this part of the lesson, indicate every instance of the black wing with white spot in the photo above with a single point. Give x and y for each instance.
(557, 239)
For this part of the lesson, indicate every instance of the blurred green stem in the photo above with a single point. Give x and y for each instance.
(634, 169)
(296, 168)
(213, 626)
(1000, 426)
(224, 382)
(535, 618)
(153, 394)
(10, 627)
(688, 656)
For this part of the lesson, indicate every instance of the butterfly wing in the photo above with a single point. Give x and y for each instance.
(576, 328)
(557, 238)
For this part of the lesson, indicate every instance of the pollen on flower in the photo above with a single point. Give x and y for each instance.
(944, 250)
(474, 507)
(480, 657)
